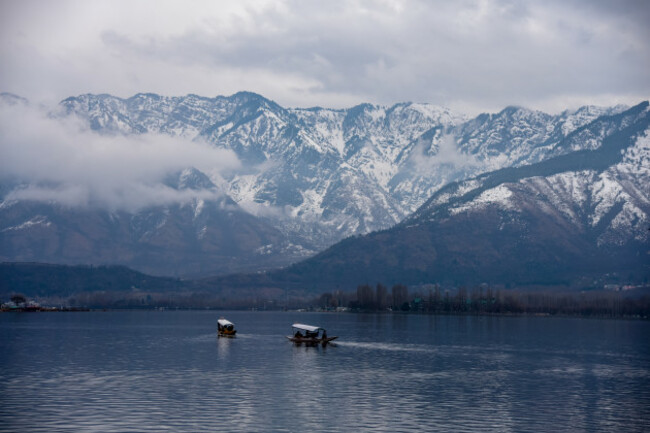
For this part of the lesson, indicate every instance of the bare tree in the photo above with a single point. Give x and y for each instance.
(400, 296)
(381, 297)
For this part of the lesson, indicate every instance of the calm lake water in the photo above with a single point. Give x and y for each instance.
(139, 371)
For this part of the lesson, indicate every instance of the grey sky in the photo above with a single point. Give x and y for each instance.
(471, 56)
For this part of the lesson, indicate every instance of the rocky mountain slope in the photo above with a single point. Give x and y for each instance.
(47, 280)
(198, 237)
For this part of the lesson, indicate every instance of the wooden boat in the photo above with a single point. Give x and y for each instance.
(225, 328)
(309, 335)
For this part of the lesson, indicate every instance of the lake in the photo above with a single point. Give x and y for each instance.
(150, 371)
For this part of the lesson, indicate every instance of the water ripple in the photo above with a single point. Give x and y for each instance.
(138, 373)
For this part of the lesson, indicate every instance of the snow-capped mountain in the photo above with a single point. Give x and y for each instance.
(329, 174)
(572, 219)
(318, 175)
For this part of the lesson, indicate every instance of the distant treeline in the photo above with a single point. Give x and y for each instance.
(120, 287)
(485, 300)
(136, 299)
(397, 299)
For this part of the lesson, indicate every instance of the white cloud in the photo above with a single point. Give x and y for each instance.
(62, 160)
(472, 55)
(426, 158)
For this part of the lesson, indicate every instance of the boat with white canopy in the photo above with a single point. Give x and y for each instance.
(308, 334)
(226, 328)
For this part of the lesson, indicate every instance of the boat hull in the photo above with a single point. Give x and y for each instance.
(311, 341)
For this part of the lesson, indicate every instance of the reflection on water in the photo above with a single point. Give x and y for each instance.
(223, 345)
(168, 371)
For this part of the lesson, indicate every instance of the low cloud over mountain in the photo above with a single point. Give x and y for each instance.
(51, 158)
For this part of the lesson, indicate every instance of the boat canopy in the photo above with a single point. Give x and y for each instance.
(224, 322)
(306, 327)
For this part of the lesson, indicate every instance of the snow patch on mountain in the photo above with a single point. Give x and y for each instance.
(565, 192)
(36, 221)
(500, 196)
(626, 185)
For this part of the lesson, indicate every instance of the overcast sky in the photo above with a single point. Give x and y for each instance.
(471, 56)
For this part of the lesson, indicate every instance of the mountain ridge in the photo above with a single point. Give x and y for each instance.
(518, 235)
(315, 176)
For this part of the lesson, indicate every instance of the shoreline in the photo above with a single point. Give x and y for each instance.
(383, 313)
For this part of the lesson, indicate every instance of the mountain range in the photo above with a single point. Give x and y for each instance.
(574, 220)
(516, 196)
